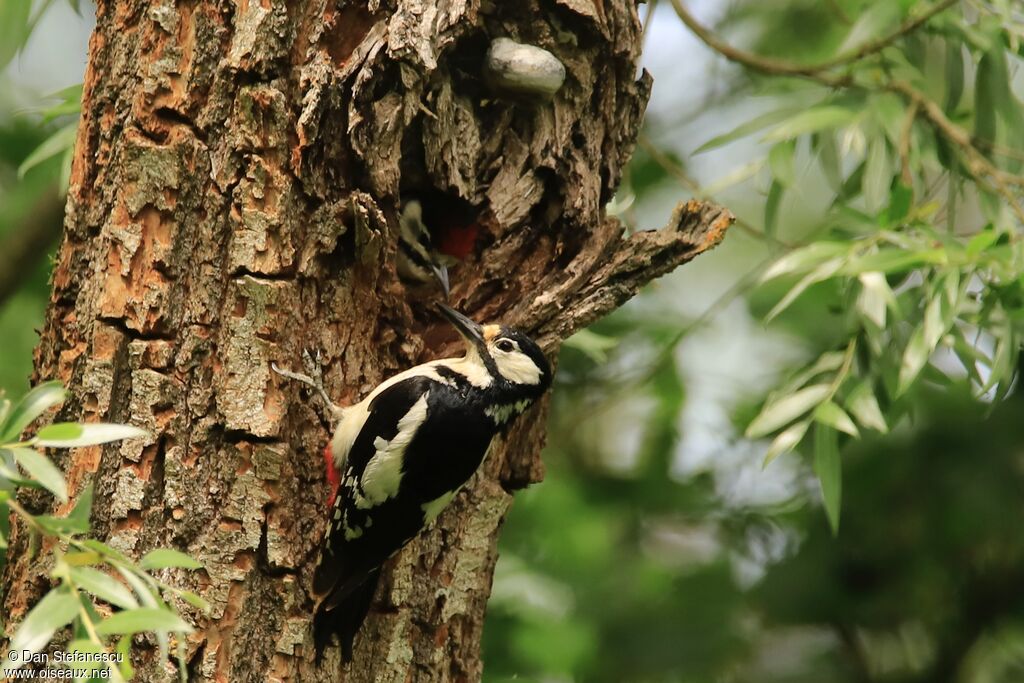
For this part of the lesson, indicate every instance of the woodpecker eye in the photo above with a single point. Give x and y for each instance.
(505, 345)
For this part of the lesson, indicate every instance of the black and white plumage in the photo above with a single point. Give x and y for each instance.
(404, 452)
(418, 259)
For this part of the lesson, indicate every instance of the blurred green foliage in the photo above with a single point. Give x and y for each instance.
(36, 139)
(875, 151)
(21, 313)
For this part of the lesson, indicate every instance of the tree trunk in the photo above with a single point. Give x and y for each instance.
(233, 201)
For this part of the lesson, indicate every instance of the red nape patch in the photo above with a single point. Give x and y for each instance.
(458, 241)
(333, 475)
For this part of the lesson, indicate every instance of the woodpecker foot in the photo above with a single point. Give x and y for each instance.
(315, 379)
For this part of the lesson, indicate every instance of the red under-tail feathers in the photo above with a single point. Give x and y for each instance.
(333, 475)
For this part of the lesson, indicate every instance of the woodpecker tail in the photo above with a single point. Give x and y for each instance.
(344, 619)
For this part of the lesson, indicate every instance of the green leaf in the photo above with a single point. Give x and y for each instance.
(811, 121)
(591, 344)
(828, 156)
(901, 199)
(970, 355)
(889, 113)
(54, 611)
(40, 468)
(104, 549)
(986, 93)
(781, 161)
(124, 648)
(771, 207)
(827, 362)
(1005, 351)
(69, 101)
(757, 123)
(1002, 86)
(915, 357)
(933, 325)
(864, 406)
(805, 258)
(877, 175)
(73, 435)
(104, 587)
(9, 474)
(828, 467)
(193, 599)
(162, 558)
(786, 441)
(140, 620)
(872, 302)
(831, 415)
(954, 74)
(870, 24)
(82, 558)
(61, 525)
(144, 587)
(77, 522)
(982, 241)
(32, 405)
(894, 261)
(14, 28)
(5, 524)
(61, 140)
(65, 169)
(780, 412)
(820, 274)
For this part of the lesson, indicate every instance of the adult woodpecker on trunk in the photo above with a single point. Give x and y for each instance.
(401, 455)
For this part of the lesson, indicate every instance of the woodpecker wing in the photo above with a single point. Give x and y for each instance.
(382, 424)
(423, 439)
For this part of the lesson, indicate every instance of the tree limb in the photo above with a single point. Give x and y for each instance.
(779, 67)
(624, 267)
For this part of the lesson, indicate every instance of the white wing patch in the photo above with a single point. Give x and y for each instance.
(434, 507)
(353, 533)
(354, 417)
(503, 413)
(383, 474)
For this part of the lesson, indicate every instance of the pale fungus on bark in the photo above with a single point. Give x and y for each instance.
(521, 70)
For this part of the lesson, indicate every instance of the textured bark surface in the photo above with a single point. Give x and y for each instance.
(233, 201)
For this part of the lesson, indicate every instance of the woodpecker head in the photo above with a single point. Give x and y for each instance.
(511, 359)
(418, 260)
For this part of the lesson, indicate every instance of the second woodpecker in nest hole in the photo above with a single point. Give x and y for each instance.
(419, 260)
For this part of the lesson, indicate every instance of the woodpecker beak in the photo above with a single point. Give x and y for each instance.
(441, 273)
(469, 330)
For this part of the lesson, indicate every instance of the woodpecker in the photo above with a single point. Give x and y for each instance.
(399, 457)
(418, 260)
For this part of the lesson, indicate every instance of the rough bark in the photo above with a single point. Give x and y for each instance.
(233, 201)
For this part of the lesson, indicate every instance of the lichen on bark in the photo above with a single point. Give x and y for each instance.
(233, 201)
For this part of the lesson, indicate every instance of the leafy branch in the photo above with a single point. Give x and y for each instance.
(818, 72)
(100, 592)
(908, 293)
